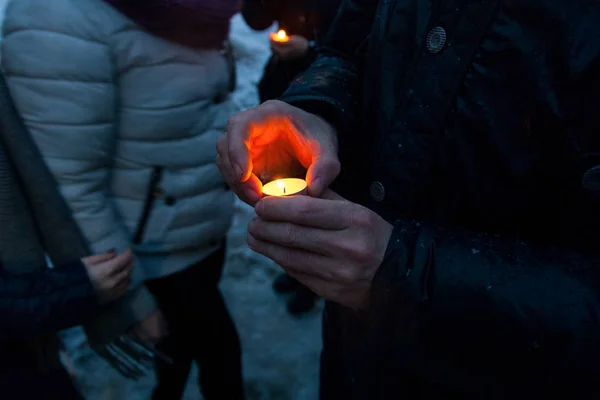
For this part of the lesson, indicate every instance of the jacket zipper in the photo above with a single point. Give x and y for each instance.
(148, 204)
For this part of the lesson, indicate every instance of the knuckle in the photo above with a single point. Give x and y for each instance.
(221, 144)
(252, 242)
(221, 167)
(345, 275)
(286, 260)
(360, 217)
(341, 244)
(335, 166)
(271, 106)
(357, 249)
(234, 121)
(303, 208)
(232, 153)
(363, 249)
(290, 237)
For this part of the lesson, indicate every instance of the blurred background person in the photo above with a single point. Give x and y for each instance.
(45, 284)
(305, 23)
(125, 100)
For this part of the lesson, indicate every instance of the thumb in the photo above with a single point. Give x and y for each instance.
(322, 173)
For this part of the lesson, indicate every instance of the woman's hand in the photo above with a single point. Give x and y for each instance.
(109, 273)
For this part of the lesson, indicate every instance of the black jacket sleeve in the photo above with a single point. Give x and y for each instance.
(330, 86)
(49, 300)
(508, 307)
(259, 14)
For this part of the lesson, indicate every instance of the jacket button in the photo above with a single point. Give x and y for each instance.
(436, 39)
(591, 179)
(170, 200)
(377, 191)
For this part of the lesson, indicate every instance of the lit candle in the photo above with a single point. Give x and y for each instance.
(280, 36)
(285, 187)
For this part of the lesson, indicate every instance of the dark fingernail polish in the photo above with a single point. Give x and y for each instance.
(113, 250)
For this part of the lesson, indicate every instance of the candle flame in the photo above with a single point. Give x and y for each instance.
(281, 185)
(281, 35)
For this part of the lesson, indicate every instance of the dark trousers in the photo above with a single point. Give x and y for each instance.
(201, 330)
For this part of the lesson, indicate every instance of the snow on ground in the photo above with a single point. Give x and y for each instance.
(280, 352)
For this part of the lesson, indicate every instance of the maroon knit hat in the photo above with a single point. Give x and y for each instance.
(199, 23)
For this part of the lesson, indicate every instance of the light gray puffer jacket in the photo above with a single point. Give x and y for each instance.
(127, 122)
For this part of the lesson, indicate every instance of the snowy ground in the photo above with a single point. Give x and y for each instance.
(280, 352)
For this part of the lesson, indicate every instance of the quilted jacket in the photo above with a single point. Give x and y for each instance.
(127, 122)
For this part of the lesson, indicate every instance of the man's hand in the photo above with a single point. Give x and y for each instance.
(277, 140)
(296, 47)
(152, 329)
(109, 273)
(331, 245)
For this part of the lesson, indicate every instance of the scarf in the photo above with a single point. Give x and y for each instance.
(36, 222)
(194, 23)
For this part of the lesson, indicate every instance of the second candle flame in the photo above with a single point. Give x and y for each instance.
(280, 36)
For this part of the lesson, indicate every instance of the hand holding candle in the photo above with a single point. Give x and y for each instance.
(271, 141)
(331, 245)
(288, 47)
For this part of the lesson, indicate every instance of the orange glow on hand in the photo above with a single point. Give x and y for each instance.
(277, 149)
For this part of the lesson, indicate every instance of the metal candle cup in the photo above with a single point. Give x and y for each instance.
(285, 187)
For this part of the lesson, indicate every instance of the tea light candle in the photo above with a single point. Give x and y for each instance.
(280, 36)
(285, 187)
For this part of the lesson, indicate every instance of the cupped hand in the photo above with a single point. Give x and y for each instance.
(331, 245)
(277, 140)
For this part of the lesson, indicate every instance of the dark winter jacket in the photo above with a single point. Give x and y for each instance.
(479, 132)
(35, 228)
(308, 18)
(33, 307)
(40, 303)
